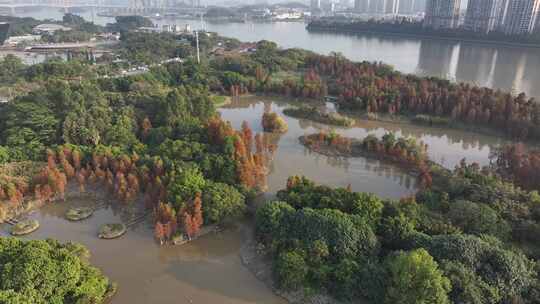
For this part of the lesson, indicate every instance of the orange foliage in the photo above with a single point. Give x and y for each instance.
(251, 167)
(146, 126)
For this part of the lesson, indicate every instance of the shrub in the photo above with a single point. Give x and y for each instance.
(477, 219)
(414, 277)
(47, 272)
(222, 202)
(290, 270)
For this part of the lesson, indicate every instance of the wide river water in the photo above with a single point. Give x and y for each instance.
(509, 68)
(209, 270)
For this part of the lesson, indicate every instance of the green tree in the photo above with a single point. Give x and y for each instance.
(271, 219)
(30, 114)
(345, 235)
(127, 23)
(181, 150)
(11, 69)
(415, 278)
(88, 117)
(222, 202)
(184, 183)
(12, 297)
(478, 219)
(122, 132)
(44, 272)
(267, 55)
(467, 287)
(232, 78)
(345, 279)
(73, 19)
(291, 270)
(4, 155)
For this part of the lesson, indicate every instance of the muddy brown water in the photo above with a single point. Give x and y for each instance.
(209, 270)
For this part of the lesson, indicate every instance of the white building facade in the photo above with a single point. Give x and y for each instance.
(483, 15)
(442, 14)
(520, 17)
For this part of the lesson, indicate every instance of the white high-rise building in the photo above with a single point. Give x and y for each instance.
(377, 6)
(520, 16)
(361, 6)
(483, 15)
(412, 6)
(374, 6)
(442, 14)
(537, 26)
(391, 7)
(315, 5)
(419, 6)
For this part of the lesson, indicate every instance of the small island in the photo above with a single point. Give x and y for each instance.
(274, 123)
(112, 231)
(24, 227)
(79, 213)
(404, 152)
(314, 114)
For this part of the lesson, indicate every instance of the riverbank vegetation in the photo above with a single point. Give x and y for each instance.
(375, 88)
(320, 116)
(405, 152)
(431, 120)
(49, 272)
(518, 164)
(355, 245)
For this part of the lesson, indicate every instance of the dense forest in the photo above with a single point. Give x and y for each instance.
(467, 236)
(470, 229)
(452, 243)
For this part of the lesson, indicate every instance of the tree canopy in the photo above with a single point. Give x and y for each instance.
(48, 272)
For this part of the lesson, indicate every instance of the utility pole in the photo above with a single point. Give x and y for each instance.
(197, 42)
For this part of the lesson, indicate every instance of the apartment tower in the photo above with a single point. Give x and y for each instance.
(315, 5)
(361, 6)
(442, 14)
(483, 15)
(520, 17)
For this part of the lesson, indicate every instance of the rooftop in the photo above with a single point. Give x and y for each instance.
(50, 27)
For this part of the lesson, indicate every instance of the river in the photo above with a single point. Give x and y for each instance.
(209, 270)
(508, 68)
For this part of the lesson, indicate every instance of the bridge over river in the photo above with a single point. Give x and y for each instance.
(133, 7)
